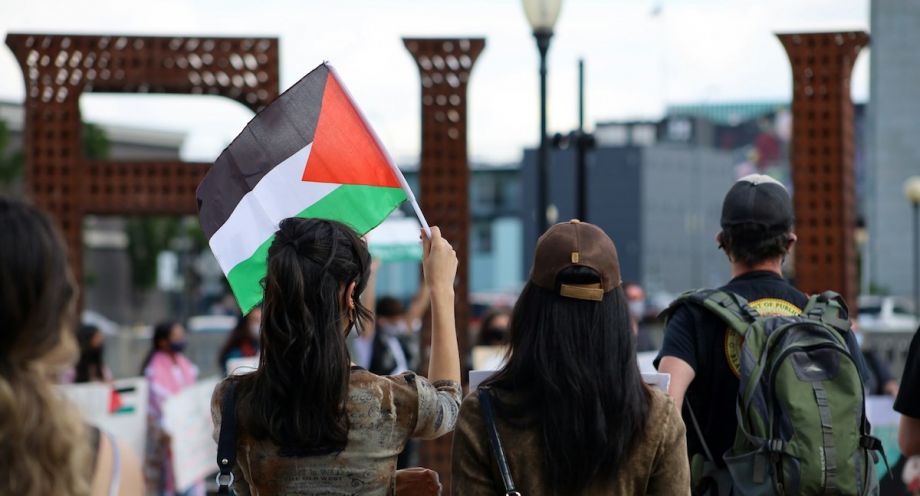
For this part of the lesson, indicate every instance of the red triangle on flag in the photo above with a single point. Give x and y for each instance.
(344, 150)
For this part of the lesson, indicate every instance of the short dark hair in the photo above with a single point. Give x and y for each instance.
(751, 244)
(389, 306)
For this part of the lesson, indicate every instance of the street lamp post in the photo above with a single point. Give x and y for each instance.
(912, 192)
(542, 15)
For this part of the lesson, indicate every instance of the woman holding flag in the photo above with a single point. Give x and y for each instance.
(308, 421)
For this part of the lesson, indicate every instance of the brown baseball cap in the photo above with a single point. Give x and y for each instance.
(575, 243)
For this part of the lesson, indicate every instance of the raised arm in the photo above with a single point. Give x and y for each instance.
(440, 268)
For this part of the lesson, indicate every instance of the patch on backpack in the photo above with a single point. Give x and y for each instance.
(766, 307)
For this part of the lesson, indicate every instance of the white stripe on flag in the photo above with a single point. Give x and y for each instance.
(280, 194)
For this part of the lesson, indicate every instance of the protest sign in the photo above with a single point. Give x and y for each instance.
(119, 408)
(187, 419)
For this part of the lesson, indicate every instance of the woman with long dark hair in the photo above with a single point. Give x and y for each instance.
(91, 365)
(45, 447)
(308, 420)
(570, 406)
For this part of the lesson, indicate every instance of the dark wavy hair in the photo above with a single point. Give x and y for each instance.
(297, 396)
(573, 364)
(751, 244)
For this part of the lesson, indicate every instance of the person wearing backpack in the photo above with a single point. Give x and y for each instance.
(744, 352)
(569, 413)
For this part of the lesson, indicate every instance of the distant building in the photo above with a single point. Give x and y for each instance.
(495, 234)
(893, 145)
(108, 268)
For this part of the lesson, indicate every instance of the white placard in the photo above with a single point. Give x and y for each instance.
(127, 421)
(187, 419)
(661, 381)
(646, 361)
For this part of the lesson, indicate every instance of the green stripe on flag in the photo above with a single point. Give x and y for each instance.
(361, 207)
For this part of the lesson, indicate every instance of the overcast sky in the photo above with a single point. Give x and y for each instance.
(640, 54)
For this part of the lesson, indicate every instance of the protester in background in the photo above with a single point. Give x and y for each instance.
(391, 345)
(635, 297)
(495, 328)
(45, 448)
(492, 340)
(880, 380)
(243, 340)
(570, 406)
(309, 422)
(168, 372)
(908, 402)
(91, 366)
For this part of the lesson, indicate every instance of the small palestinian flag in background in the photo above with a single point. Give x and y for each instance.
(310, 153)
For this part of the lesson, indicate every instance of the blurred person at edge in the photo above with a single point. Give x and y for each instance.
(570, 406)
(635, 298)
(243, 340)
(310, 421)
(908, 401)
(45, 447)
(168, 372)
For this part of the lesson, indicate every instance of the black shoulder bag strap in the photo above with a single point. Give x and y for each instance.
(485, 404)
(226, 440)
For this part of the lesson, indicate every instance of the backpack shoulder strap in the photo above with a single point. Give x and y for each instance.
(733, 309)
(495, 441)
(829, 308)
(226, 440)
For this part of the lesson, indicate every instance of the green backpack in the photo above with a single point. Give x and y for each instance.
(802, 426)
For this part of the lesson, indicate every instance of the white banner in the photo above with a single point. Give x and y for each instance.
(119, 408)
(187, 419)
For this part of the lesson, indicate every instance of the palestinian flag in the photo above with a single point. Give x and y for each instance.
(310, 153)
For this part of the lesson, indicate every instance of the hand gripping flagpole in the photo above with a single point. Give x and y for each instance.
(399, 175)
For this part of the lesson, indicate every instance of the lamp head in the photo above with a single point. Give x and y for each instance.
(542, 14)
(912, 189)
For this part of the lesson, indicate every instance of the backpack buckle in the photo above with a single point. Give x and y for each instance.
(776, 446)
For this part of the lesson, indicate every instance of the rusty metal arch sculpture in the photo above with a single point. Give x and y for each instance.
(59, 68)
(823, 171)
(445, 65)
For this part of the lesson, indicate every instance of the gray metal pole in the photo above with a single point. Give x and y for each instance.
(543, 39)
(580, 161)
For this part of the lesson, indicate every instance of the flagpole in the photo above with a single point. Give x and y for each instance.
(399, 175)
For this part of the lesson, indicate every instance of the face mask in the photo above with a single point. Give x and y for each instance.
(177, 346)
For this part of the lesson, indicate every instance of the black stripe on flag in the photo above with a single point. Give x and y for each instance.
(274, 134)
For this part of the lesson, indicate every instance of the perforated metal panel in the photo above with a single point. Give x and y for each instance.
(823, 160)
(445, 66)
(60, 68)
